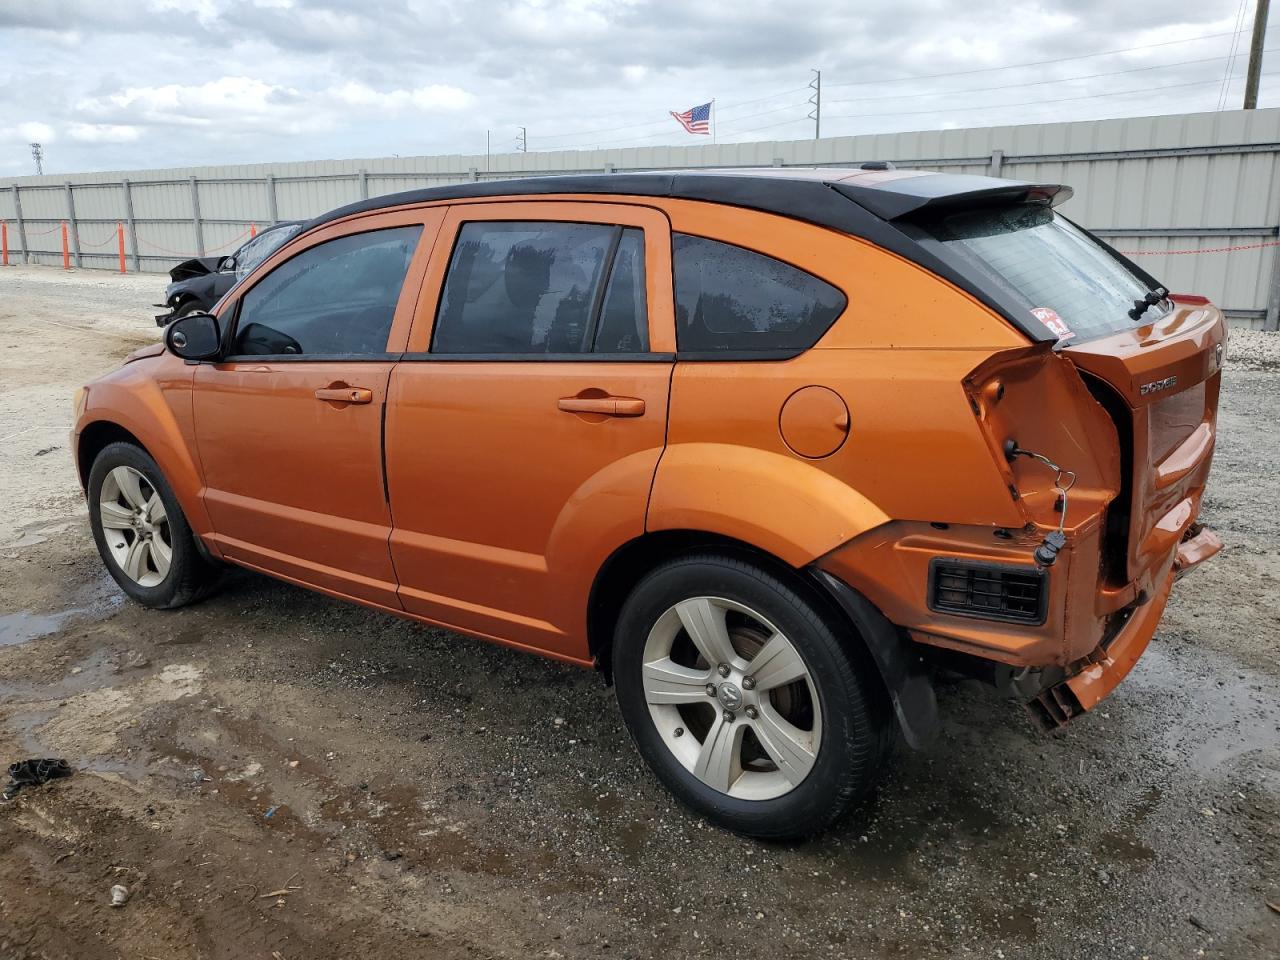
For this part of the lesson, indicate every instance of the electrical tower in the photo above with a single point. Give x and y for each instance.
(37, 154)
(815, 100)
(522, 141)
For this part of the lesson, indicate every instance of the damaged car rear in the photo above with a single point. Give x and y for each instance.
(1103, 432)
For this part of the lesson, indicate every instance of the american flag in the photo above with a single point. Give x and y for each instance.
(695, 119)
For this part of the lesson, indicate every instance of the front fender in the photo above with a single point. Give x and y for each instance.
(784, 506)
(151, 399)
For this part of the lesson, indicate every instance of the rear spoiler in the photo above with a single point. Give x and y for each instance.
(898, 198)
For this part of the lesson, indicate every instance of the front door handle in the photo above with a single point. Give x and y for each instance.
(609, 406)
(345, 394)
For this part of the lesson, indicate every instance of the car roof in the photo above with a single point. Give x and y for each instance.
(803, 193)
(870, 204)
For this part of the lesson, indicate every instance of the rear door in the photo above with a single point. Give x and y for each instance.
(289, 423)
(525, 424)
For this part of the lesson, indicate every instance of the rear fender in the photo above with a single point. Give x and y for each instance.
(784, 506)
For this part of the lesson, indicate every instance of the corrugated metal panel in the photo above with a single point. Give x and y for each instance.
(1212, 183)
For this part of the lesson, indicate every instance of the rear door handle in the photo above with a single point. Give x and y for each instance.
(609, 406)
(345, 394)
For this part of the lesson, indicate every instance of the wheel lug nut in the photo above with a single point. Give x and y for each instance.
(723, 669)
(752, 713)
(728, 716)
(748, 683)
(711, 689)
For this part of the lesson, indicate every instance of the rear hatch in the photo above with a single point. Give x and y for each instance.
(1151, 360)
(1160, 383)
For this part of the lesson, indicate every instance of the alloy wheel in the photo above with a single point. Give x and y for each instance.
(732, 698)
(135, 526)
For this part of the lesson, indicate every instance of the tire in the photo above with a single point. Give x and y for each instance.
(190, 305)
(141, 532)
(811, 723)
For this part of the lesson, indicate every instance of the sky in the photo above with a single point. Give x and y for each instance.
(136, 84)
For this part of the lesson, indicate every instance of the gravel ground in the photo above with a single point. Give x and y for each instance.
(276, 774)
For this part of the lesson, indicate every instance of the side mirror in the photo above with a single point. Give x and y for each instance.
(194, 337)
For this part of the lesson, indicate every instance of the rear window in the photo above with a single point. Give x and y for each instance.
(732, 299)
(1052, 263)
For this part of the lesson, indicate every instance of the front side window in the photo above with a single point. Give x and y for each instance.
(1057, 267)
(543, 288)
(336, 298)
(732, 299)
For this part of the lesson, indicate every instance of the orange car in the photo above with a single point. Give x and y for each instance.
(766, 448)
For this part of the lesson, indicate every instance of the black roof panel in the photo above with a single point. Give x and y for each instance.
(860, 203)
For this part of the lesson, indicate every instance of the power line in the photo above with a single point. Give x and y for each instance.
(667, 120)
(1231, 57)
(1035, 83)
(1031, 63)
(1028, 103)
(664, 123)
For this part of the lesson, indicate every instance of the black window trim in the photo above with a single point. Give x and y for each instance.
(229, 335)
(588, 353)
(649, 357)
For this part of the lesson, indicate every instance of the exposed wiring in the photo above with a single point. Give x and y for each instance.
(1063, 481)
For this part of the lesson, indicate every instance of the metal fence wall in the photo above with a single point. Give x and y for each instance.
(1195, 196)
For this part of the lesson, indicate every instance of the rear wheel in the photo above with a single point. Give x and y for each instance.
(743, 700)
(141, 531)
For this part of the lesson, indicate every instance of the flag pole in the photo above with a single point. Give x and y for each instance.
(713, 119)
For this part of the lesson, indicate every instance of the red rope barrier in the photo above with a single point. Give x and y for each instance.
(188, 256)
(1178, 253)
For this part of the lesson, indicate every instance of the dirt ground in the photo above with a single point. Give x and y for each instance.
(274, 774)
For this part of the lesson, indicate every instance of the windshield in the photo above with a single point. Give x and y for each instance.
(1075, 286)
(262, 246)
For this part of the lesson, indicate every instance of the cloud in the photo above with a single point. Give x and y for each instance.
(37, 132)
(103, 132)
(185, 82)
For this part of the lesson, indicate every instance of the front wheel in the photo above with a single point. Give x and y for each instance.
(743, 700)
(141, 532)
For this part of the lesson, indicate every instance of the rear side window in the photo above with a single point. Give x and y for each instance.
(336, 298)
(732, 299)
(543, 288)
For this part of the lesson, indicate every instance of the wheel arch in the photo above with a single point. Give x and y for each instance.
(96, 437)
(905, 682)
(636, 558)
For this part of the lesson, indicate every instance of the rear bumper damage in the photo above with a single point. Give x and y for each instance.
(1092, 679)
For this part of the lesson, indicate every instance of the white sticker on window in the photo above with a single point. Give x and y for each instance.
(1049, 317)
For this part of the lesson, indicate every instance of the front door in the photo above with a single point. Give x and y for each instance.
(289, 423)
(525, 424)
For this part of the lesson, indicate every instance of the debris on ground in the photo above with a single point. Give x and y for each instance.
(119, 895)
(33, 773)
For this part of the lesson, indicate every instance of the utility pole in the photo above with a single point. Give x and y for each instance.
(1255, 55)
(815, 100)
(522, 141)
(37, 154)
